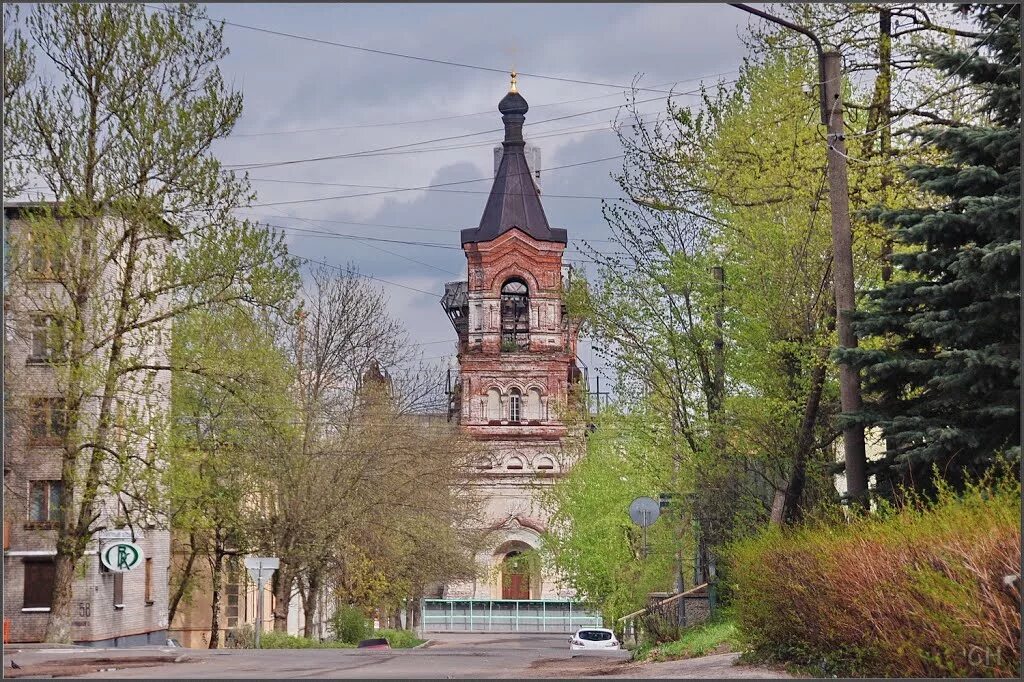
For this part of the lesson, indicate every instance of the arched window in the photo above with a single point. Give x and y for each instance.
(493, 404)
(533, 404)
(515, 315)
(515, 405)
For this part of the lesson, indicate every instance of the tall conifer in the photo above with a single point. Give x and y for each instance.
(947, 376)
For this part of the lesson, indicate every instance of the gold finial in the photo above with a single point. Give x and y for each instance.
(512, 88)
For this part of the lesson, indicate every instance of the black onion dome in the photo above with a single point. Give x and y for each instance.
(514, 201)
(513, 103)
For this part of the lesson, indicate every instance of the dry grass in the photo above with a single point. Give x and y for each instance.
(914, 592)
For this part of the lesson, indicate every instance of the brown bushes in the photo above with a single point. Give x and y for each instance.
(915, 592)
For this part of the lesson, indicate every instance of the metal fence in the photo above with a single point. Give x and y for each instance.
(505, 615)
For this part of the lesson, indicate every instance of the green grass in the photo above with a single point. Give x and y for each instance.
(280, 640)
(717, 636)
(399, 639)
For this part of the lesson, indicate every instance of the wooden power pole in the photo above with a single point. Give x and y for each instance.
(842, 274)
(830, 74)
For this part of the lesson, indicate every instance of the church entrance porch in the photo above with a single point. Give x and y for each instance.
(515, 576)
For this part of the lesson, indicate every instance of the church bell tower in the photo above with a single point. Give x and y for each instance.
(517, 360)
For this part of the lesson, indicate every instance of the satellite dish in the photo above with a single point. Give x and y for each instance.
(644, 511)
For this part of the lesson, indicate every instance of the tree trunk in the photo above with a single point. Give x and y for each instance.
(309, 603)
(58, 627)
(884, 86)
(805, 444)
(75, 532)
(186, 580)
(397, 619)
(218, 568)
(282, 597)
(778, 506)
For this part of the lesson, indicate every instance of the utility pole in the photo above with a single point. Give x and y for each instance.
(830, 75)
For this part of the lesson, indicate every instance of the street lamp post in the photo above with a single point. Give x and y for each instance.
(830, 76)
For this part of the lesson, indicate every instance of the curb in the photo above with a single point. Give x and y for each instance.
(425, 644)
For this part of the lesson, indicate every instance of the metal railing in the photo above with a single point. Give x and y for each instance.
(655, 618)
(505, 615)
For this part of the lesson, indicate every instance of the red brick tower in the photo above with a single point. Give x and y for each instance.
(517, 351)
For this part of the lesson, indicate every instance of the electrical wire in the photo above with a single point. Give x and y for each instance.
(562, 132)
(425, 187)
(324, 263)
(936, 93)
(430, 60)
(372, 152)
(488, 112)
(446, 230)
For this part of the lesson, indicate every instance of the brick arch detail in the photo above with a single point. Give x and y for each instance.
(514, 269)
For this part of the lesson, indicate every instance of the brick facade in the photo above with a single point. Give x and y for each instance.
(517, 458)
(96, 619)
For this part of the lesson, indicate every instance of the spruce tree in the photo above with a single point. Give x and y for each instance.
(946, 380)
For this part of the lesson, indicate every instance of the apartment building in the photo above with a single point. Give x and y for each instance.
(109, 608)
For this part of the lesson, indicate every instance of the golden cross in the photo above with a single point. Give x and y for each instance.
(512, 51)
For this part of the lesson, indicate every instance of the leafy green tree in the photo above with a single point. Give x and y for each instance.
(229, 404)
(591, 540)
(118, 124)
(18, 66)
(947, 377)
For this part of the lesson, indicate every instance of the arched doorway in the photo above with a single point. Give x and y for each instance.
(515, 576)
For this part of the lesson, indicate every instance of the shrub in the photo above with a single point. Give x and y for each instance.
(282, 640)
(917, 591)
(399, 639)
(242, 637)
(718, 635)
(348, 624)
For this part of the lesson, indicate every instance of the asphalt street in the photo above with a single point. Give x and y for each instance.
(448, 656)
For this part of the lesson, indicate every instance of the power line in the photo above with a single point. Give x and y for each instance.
(430, 60)
(446, 230)
(370, 152)
(405, 242)
(424, 187)
(490, 111)
(382, 249)
(936, 93)
(359, 274)
(572, 130)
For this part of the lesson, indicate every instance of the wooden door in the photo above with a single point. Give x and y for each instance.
(515, 578)
(515, 586)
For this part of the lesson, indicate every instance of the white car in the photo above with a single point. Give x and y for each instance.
(590, 639)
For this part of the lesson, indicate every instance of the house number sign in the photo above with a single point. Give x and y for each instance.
(121, 556)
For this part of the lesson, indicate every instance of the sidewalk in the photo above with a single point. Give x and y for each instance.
(65, 660)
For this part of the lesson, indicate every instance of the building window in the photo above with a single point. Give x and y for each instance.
(149, 581)
(47, 260)
(493, 404)
(515, 316)
(44, 501)
(533, 404)
(47, 421)
(118, 590)
(47, 339)
(38, 593)
(515, 405)
(515, 464)
(232, 590)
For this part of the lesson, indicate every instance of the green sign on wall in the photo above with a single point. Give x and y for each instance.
(121, 556)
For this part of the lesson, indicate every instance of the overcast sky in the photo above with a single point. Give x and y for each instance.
(306, 99)
(291, 84)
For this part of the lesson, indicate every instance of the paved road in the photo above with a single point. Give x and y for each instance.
(448, 656)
